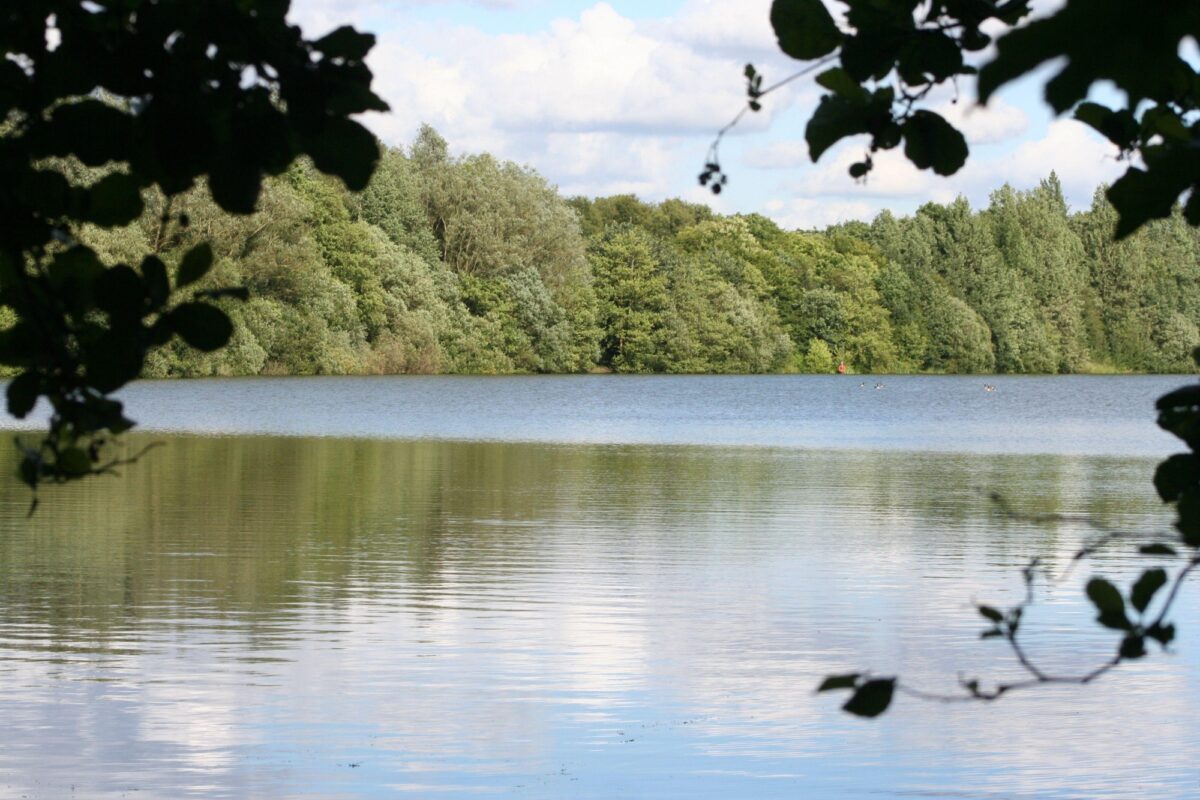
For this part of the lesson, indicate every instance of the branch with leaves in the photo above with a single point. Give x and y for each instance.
(1178, 482)
(891, 54)
(149, 95)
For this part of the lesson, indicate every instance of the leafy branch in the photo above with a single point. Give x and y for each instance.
(1177, 481)
(893, 53)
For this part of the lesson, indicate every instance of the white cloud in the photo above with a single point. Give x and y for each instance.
(806, 213)
(320, 16)
(1081, 160)
(601, 103)
(741, 28)
(996, 122)
(598, 102)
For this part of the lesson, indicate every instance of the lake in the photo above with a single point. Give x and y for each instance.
(592, 587)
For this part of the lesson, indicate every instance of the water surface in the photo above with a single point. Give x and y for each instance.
(1078, 414)
(266, 617)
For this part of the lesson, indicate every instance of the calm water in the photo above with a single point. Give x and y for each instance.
(582, 606)
(1076, 415)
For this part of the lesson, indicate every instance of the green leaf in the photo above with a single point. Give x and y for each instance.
(1144, 590)
(1162, 120)
(22, 393)
(1119, 127)
(1142, 195)
(871, 698)
(931, 142)
(838, 81)
(832, 682)
(929, 55)
(204, 327)
(73, 462)
(805, 28)
(1109, 603)
(834, 119)
(870, 53)
(194, 265)
(1157, 550)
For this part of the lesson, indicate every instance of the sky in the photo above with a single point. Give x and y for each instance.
(625, 96)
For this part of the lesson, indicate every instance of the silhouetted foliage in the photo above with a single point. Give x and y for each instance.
(889, 55)
(882, 59)
(108, 108)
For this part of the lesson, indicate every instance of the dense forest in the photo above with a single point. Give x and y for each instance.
(474, 265)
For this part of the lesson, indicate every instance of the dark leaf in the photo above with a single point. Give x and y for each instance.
(834, 119)
(204, 327)
(22, 393)
(94, 132)
(871, 698)
(114, 360)
(235, 186)
(194, 265)
(870, 53)
(346, 149)
(990, 613)
(1176, 474)
(346, 43)
(839, 682)
(839, 82)
(1163, 634)
(1109, 603)
(113, 201)
(231, 292)
(120, 292)
(931, 142)
(1144, 590)
(805, 28)
(1133, 647)
(157, 285)
(1157, 550)
(73, 462)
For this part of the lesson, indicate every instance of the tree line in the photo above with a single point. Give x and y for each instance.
(475, 265)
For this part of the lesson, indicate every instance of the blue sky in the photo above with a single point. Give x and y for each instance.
(621, 96)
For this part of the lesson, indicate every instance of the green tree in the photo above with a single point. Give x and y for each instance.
(632, 298)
